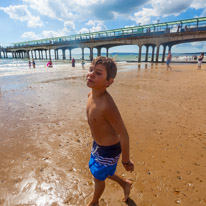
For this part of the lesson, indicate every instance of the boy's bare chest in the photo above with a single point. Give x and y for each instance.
(94, 113)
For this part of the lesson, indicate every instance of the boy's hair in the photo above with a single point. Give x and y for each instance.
(108, 63)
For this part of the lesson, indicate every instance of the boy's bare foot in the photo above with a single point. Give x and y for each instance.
(127, 189)
(93, 204)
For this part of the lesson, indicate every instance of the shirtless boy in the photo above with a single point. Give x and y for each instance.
(107, 128)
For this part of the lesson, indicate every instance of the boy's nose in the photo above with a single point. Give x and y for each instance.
(91, 73)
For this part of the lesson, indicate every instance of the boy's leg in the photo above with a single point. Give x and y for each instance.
(98, 190)
(125, 184)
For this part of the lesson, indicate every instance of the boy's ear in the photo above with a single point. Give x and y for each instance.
(109, 82)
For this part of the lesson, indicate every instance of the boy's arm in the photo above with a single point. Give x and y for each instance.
(114, 118)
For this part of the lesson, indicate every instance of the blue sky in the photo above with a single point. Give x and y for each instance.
(22, 20)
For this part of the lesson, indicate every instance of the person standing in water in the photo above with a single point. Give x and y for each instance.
(73, 62)
(199, 61)
(34, 64)
(169, 59)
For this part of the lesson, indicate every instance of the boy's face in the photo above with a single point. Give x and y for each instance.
(97, 77)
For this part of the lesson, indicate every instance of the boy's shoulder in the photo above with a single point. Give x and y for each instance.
(108, 102)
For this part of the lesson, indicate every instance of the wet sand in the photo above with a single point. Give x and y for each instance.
(45, 140)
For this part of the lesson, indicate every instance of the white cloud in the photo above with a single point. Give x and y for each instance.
(43, 35)
(163, 8)
(49, 34)
(65, 10)
(170, 7)
(30, 35)
(200, 4)
(69, 26)
(21, 13)
(56, 9)
(90, 23)
(35, 22)
(143, 16)
(94, 26)
(83, 30)
(98, 26)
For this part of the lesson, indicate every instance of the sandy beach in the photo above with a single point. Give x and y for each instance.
(46, 142)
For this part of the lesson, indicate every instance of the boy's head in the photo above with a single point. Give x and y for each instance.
(109, 64)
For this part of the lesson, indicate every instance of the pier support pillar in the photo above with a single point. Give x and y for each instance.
(35, 54)
(157, 53)
(42, 55)
(91, 54)
(46, 53)
(39, 54)
(57, 53)
(107, 52)
(163, 55)
(170, 47)
(28, 55)
(49, 54)
(99, 51)
(63, 54)
(153, 50)
(32, 54)
(82, 53)
(140, 53)
(146, 56)
(70, 54)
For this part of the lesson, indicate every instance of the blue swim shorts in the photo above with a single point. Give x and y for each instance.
(168, 62)
(103, 160)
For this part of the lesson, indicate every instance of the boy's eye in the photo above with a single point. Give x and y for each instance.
(98, 73)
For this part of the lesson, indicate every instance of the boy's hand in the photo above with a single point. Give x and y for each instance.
(129, 166)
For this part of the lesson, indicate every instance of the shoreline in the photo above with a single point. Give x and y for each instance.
(46, 141)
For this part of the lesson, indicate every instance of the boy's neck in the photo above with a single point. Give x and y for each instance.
(98, 92)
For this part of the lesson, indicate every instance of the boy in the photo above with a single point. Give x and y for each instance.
(107, 128)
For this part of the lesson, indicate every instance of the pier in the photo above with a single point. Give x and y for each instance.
(156, 38)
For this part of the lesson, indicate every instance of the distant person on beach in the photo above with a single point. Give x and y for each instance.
(29, 64)
(199, 61)
(169, 59)
(34, 64)
(83, 63)
(49, 64)
(73, 62)
(110, 137)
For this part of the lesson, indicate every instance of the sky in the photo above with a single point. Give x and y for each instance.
(24, 20)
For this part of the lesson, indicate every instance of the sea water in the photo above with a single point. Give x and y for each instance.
(14, 71)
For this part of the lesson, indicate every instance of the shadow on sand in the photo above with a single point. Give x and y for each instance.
(130, 202)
